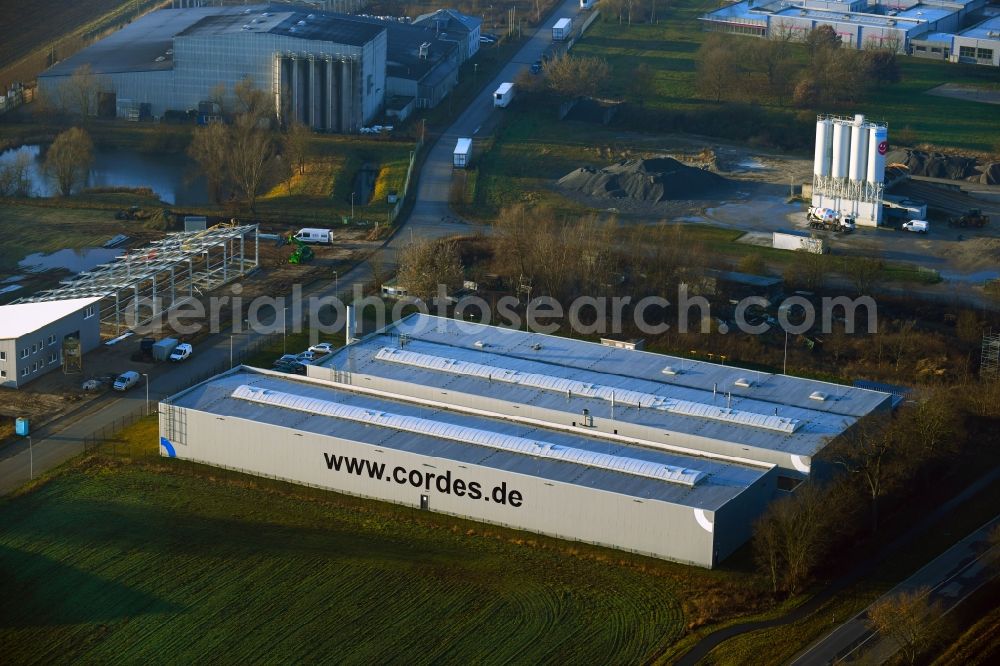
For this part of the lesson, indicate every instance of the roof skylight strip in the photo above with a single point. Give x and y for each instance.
(573, 387)
(486, 438)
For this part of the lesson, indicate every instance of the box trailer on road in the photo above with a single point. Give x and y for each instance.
(783, 240)
(562, 29)
(587, 4)
(463, 152)
(503, 95)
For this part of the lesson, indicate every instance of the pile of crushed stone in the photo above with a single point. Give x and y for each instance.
(647, 180)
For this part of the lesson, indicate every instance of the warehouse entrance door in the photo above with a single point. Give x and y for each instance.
(423, 501)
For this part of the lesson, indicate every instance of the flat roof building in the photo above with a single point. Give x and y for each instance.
(34, 337)
(608, 445)
(899, 26)
(325, 70)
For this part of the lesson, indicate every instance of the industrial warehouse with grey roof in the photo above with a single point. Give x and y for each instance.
(618, 447)
(333, 72)
(577, 486)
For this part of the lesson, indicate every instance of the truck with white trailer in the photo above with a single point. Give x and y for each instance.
(562, 29)
(587, 4)
(827, 219)
(503, 95)
(463, 153)
(311, 235)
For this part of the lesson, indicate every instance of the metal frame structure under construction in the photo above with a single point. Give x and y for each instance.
(162, 275)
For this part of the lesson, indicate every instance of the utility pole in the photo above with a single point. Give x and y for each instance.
(147, 392)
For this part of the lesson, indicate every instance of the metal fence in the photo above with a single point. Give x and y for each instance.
(394, 213)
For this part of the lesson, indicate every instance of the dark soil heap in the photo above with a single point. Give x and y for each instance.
(650, 181)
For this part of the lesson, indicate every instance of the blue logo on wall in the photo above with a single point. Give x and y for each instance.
(168, 447)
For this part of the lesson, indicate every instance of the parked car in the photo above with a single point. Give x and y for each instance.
(288, 358)
(182, 352)
(292, 368)
(307, 357)
(126, 380)
(322, 348)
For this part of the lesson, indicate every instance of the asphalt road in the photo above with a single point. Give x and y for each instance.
(951, 577)
(702, 649)
(430, 217)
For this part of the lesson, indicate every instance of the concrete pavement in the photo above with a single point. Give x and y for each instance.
(952, 577)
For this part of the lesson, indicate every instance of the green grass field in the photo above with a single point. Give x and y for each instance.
(37, 228)
(134, 559)
(670, 47)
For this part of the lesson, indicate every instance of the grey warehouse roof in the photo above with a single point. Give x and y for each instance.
(137, 46)
(314, 406)
(691, 400)
(315, 26)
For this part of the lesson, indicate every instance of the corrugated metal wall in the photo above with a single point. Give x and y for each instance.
(563, 510)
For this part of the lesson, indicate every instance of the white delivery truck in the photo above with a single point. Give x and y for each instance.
(463, 153)
(587, 4)
(503, 95)
(917, 226)
(309, 235)
(562, 29)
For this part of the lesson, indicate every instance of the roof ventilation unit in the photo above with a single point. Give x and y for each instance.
(536, 346)
(743, 382)
(311, 17)
(479, 343)
(301, 23)
(423, 50)
(671, 370)
(818, 395)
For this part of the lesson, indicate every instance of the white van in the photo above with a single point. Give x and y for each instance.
(126, 380)
(309, 235)
(916, 226)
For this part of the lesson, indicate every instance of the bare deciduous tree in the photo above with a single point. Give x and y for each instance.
(251, 151)
(577, 76)
(717, 69)
(79, 93)
(210, 149)
(910, 619)
(425, 264)
(69, 158)
(792, 537)
(296, 146)
(14, 178)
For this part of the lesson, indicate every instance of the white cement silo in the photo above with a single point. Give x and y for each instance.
(824, 139)
(877, 146)
(841, 149)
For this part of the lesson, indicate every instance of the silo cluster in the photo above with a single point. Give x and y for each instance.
(849, 167)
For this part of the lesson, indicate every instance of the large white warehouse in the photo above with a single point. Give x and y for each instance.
(611, 446)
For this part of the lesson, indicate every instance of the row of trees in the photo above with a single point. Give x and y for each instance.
(239, 157)
(759, 70)
(569, 76)
(881, 457)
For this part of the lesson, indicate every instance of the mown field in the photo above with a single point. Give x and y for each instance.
(29, 228)
(670, 47)
(141, 561)
(36, 32)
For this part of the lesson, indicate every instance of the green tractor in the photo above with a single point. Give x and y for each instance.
(302, 253)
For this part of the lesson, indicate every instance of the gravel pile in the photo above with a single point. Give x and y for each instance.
(649, 181)
(933, 165)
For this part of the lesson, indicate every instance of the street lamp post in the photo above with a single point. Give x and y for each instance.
(352, 206)
(336, 283)
(284, 330)
(147, 392)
